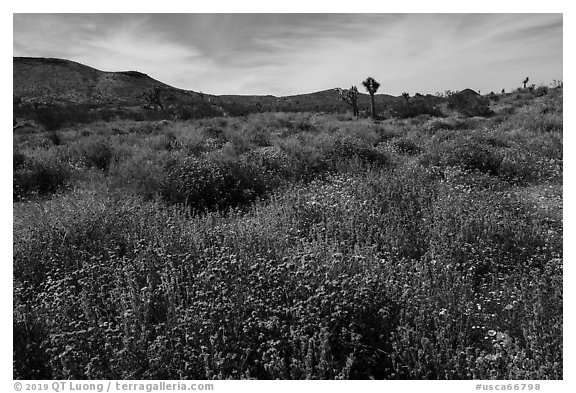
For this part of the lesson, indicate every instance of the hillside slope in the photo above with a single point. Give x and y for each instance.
(40, 80)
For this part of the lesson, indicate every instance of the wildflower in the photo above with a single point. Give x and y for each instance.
(491, 333)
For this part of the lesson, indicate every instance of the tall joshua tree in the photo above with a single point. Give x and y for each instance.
(525, 81)
(371, 87)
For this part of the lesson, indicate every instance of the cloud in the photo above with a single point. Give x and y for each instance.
(285, 54)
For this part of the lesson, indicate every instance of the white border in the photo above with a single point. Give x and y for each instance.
(299, 6)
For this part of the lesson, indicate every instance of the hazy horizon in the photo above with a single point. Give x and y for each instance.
(285, 54)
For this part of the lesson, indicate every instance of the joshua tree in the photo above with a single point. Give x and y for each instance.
(153, 96)
(525, 81)
(371, 87)
(350, 97)
(406, 96)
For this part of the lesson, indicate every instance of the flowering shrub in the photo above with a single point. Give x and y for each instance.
(202, 183)
(39, 174)
(317, 257)
(464, 152)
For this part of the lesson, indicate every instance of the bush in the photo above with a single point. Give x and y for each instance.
(463, 152)
(406, 146)
(54, 117)
(346, 148)
(308, 160)
(276, 161)
(95, 152)
(541, 91)
(39, 174)
(470, 104)
(142, 173)
(204, 184)
(415, 107)
(447, 124)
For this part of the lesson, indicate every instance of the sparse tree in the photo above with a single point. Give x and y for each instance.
(371, 87)
(525, 81)
(153, 96)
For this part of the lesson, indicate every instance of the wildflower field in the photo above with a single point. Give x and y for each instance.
(292, 246)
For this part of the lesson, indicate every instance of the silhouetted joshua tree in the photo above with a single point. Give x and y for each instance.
(371, 87)
(406, 96)
(525, 81)
(350, 97)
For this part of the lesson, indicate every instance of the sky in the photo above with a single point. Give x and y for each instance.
(285, 54)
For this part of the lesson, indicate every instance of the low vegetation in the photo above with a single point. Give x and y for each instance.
(292, 245)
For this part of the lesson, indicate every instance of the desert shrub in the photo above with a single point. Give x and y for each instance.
(415, 107)
(258, 135)
(464, 152)
(545, 145)
(346, 148)
(387, 132)
(541, 91)
(142, 173)
(55, 116)
(309, 162)
(147, 128)
(524, 166)
(406, 146)
(40, 173)
(544, 123)
(274, 160)
(214, 132)
(470, 105)
(243, 182)
(94, 152)
(202, 183)
(448, 124)
(238, 143)
(533, 120)
(192, 181)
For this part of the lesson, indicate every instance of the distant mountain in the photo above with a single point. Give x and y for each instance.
(58, 81)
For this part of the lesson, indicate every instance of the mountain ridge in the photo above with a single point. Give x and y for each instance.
(54, 80)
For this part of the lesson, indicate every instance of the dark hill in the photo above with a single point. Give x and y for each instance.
(58, 81)
(41, 79)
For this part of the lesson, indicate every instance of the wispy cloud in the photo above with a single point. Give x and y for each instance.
(289, 54)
